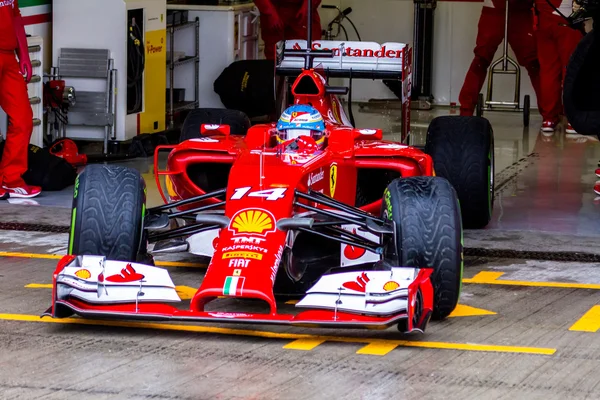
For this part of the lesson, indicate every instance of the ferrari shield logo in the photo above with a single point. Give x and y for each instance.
(333, 179)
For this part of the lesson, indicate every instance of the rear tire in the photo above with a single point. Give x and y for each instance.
(429, 234)
(237, 120)
(462, 149)
(109, 204)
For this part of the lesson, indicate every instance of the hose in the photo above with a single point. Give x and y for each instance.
(137, 62)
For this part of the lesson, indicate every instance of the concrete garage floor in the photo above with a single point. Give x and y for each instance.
(526, 326)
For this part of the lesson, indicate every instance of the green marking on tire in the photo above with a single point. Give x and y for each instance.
(71, 238)
(76, 190)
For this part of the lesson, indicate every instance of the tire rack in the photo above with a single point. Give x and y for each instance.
(172, 64)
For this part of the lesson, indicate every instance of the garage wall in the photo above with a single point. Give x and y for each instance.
(454, 39)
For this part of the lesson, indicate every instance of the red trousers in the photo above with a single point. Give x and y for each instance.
(294, 29)
(555, 45)
(14, 100)
(489, 37)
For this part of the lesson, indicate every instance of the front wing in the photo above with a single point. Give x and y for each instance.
(93, 287)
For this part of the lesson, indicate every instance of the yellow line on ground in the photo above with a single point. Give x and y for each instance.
(31, 255)
(39, 286)
(304, 344)
(590, 322)
(286, 336)
(463, 310)
(180, 264)
(491, 278)
(378, 349)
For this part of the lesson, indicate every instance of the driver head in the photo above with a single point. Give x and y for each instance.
(301, 120)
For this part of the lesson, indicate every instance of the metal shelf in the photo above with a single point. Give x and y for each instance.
(183, 105)
(173, 107)
(179, 27)
(183, 61)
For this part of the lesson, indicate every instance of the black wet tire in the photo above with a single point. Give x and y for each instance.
(526, 110)
(581, 89)
(462, 149)
(107, 217)
(237, 120)
(429, 234)
(479, 108)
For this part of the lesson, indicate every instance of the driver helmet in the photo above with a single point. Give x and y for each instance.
(301, 120)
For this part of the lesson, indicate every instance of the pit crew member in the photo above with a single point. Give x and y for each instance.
(285, 20)
(489, 36)
(14, 100)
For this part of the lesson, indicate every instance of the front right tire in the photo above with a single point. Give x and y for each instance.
(429, 234)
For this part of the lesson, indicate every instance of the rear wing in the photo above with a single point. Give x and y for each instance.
(360, 60)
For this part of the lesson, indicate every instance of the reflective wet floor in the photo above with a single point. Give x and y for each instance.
(526, 326)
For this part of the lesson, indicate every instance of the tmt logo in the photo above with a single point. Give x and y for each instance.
(247, 240)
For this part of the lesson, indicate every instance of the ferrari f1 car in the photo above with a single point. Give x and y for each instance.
(365, 232)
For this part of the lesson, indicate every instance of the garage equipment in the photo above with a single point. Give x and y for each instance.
(112, 44)
(504, 69)
(92, 108)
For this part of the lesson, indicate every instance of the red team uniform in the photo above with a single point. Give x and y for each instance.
(489, 37)
(14, 100)
(284, 20)
(555, 43)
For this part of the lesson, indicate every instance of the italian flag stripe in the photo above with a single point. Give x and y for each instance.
(233, 286)
(33, 3)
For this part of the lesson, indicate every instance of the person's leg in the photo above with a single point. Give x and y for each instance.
(550, 73)
(489, 36)
(14, 100)
(568, 39)
(269, 37)
(522, 40)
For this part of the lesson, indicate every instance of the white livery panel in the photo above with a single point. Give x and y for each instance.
(97, 280)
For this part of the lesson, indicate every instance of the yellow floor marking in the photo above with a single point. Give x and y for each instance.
(179, 264)
(304, 344)
(590, 322)
(491, 278)
(292, 302)
(39, 286)
(462, 310)
(279, 335)
(185, 292)
(31, 255)
(378, 349)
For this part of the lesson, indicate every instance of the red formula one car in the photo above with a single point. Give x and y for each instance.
(362, 230)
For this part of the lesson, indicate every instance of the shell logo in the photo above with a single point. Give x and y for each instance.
(391, 285)
(257, 222)
(83, 274)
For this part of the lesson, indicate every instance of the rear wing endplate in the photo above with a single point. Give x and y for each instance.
(360, 60)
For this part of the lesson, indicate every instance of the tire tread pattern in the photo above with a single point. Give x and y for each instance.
(109, 207)
(460, 148)
(427, 215)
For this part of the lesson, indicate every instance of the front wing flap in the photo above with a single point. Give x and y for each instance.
(370, 299)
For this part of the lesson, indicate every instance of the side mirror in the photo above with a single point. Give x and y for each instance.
(215, 129)
(368, 134)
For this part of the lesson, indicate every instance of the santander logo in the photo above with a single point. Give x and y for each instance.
(378, 52)
(314, 178)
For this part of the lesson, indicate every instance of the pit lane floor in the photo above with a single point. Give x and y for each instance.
(518, 333)
(526, 326)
